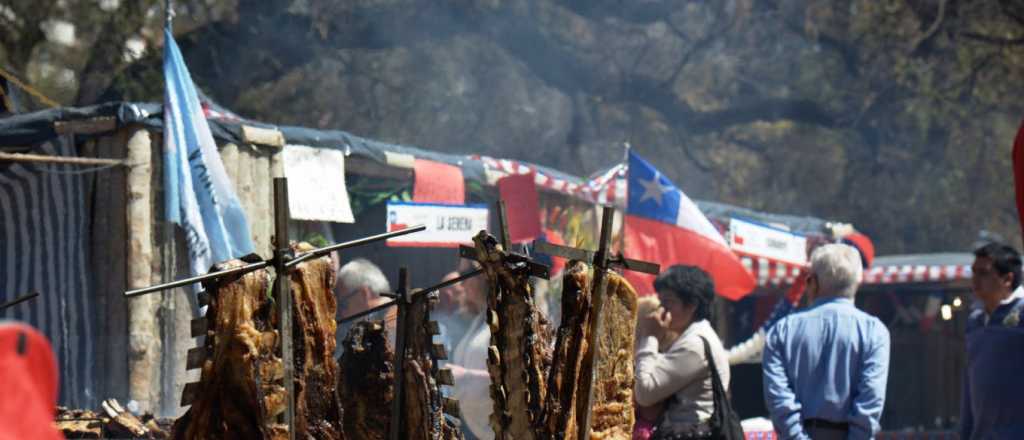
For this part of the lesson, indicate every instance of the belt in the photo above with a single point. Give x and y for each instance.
(826, 424)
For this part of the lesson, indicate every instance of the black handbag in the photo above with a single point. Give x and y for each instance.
(725, 424)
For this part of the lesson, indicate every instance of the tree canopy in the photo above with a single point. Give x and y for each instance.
(895, 115)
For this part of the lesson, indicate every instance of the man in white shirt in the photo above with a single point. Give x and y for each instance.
(469, 365)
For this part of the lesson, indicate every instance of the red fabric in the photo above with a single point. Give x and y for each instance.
(796, 291)
(29, 383)
(864, 245)
(519, 192)
(665, 244)
(1018, 173)
(438, 182)
(557, 263)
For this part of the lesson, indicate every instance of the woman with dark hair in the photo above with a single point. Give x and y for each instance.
(679, 378)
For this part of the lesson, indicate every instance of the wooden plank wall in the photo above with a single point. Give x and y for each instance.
(158, 388)
(108, 225)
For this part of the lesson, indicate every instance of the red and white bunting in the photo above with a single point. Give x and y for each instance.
(607, 188)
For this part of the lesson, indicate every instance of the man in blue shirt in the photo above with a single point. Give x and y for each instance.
(992, 406)
(825, 368)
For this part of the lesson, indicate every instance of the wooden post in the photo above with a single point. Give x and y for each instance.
(600, 286)
(109, 220)
(144, 342)
(402, 300)
(281, 253)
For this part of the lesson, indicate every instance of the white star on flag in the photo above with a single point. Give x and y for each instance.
(652, 189)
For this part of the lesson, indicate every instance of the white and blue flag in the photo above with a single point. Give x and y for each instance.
(197, 193)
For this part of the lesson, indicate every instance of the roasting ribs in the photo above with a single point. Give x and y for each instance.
(423, 403)
(540, 395)
(367, 381)
(368, 375)
(519, 355)
(318, 412)
(570, 347)
(241, 389)
(612, 408)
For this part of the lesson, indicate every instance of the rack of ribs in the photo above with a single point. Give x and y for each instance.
(519, 355)
(570, 347)
(318, 412)
(240, 393)
(424, 406)
(367, 381)
(612, 410)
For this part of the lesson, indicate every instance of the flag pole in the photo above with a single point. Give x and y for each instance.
(168, 14)
(626, 147)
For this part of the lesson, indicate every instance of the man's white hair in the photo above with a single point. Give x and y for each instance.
(361, 273)
(838, 269)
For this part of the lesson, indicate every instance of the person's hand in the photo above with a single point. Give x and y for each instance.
(654, 324)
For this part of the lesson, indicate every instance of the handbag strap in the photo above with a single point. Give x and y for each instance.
(717, 387)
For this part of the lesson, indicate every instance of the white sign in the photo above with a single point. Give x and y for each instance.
(765, 241)
(447, 225)
(316, 184)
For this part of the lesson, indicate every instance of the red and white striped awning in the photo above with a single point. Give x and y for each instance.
(769, 272)
(916, 274)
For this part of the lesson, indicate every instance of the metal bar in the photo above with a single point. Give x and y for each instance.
(503, 226)
(366, 312)
(281, 253)
(544, 247)
(588, 257)
(198, 327)
(189, 393)
(195, 357)
(44, 158)
(197, 279)
(638, 266)
(600, 286)
(256, 266)
(417, 293)
(467, 252)
(397, 418)
(354, 243)
(18, 300)
(450, 282)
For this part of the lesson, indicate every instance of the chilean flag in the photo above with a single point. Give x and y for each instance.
(664, 226)
(1018, 172)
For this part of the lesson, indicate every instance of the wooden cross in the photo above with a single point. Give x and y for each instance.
(523, 261)
(602, 260)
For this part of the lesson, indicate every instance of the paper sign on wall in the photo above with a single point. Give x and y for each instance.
(447, 225)
(316, 184)
(766, 241)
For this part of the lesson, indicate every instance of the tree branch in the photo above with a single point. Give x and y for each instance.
(999, 41)
(928, 34)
